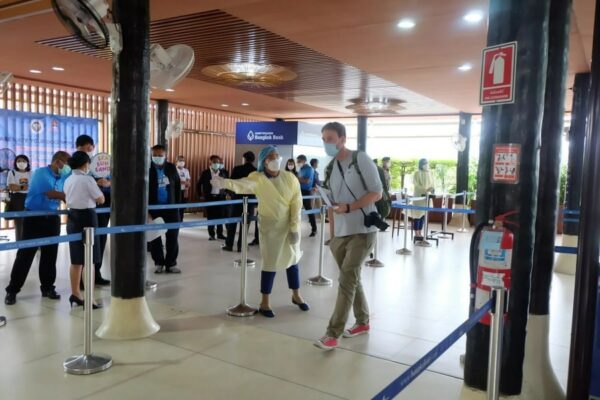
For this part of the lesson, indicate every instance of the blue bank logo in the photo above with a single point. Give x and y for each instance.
(250, 136)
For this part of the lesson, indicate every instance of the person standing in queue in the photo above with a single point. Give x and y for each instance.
(18, 184)
(45, 194)
(82, 195)
(239, 172)
(290, 166)
(306, 176)
(210, 193)
(355, 217)
(386, 165)
(186, 180)
(423, 183)
(164, 188)
(280, 200)
(86, 144)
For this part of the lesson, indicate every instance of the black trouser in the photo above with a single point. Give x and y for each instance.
(308, 206)
(19, 228)
(215, 212)
(35, 228)
(156, 246)
(184, 200)
(103, 220)
(236, 211)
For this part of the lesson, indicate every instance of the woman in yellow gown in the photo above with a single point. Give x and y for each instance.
(423, 183)
(279, 210)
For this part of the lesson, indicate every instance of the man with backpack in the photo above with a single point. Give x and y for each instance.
(355, 187)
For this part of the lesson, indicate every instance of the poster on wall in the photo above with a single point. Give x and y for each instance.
(39, 136)
(507, 160)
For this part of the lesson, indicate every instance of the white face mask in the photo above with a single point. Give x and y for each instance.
(180, 164)
(90, 154)
(22, 165)
(215, 166)
(158, 160)
(290, 167)
(274, 165)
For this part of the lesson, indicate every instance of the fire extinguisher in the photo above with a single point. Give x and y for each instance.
(491, 252)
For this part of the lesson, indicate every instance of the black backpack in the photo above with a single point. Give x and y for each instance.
(384, 205)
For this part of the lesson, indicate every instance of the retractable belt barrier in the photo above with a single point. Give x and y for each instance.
(402, 205)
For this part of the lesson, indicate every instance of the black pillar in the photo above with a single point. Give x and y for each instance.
(279, 120)
(131, 74)
(579, 117)
(361, 133)
(586, 276)
(163, 121)
(462, 166)
(552, 127)
(524, 21)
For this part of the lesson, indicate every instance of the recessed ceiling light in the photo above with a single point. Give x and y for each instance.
(59, 69)
(224, 105)
(169, 90)
(245, 104)
(35, 71)
(406, 24)
(473, 16)
(465, 67)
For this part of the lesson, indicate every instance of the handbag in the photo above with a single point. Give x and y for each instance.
(15, 203)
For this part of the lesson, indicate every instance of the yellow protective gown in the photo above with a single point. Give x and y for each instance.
(279, 208)
(423, 182)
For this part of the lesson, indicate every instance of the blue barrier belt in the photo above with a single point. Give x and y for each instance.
(22, 244)
(571, 220)
(571, 212)
(565, 249)
(171, 225)
(397, 204)
(420, 366)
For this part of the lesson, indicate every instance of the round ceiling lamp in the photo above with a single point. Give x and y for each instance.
(250, 74)
(381, 106)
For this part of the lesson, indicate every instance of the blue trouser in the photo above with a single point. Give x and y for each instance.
(418, 223)
(267, 278)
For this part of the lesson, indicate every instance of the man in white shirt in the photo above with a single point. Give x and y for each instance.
(185, 178)
(209, 193)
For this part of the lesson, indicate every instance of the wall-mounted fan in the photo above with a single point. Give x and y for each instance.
(168, 67)
(174, 129)
(459, 142)
(5, 78)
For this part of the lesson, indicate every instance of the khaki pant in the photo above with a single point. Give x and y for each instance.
(350, 253)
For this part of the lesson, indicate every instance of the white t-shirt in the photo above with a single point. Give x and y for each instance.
(81, 191)
(19, 178)
(184, 177)
(215, 175)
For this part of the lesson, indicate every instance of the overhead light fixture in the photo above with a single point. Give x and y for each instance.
(465, 67)
(35, 71)
(224, 105)
(406, 24)
(250, 74)
(245, 104)
(371, 106)
(474, 16)
(58, 69)
(169, 90)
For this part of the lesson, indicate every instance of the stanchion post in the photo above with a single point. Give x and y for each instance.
(321, 280)
(243, 309)
(496, 334)
(405, 250)
(88, 363)
(463, 229)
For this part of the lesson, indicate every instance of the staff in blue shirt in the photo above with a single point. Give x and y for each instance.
(306, 176)
(45, 194)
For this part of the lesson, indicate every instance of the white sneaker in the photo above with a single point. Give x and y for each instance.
(423, 243)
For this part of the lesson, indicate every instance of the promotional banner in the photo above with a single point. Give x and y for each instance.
(266, 133)
(39, 136)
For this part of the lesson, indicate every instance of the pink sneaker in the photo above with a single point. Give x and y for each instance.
(327, 343)
(356, 330)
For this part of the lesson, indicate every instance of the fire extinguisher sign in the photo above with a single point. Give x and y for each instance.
(507, 158)
(498, 71)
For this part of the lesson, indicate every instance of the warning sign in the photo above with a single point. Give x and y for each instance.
(507, 158)
(100, 165)
(498, 74)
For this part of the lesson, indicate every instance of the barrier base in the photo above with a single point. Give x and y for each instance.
(151, 285)
(374, 263)
(2, 321)
(567, 263)
(87, 364)
(319, 281)
(128, 319)
(249, 263)
(242, 310)
(403, 252)
(462, 230)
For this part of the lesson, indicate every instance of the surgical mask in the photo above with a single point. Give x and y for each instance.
(331, 149)
(274, 165)
(65, 170)
(90, 154)
(300, 165)
(158, 160)
(180, 164)
(216, 166)
(290, 167)
(22, 165)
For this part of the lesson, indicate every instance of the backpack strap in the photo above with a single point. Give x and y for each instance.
(355, 163)
(328, 171)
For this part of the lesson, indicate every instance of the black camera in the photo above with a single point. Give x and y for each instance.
(374, 219)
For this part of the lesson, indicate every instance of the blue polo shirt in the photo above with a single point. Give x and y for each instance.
(43, 181)
(307, 172)
(163, 183)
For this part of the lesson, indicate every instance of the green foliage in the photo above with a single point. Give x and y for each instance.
(563, 184)
(399, 170)
(444, 174)
(472, 181)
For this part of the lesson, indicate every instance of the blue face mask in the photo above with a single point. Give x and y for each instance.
(158, 160)
(331, 149)
(64, 171)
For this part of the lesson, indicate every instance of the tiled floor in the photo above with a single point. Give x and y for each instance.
(201, 353)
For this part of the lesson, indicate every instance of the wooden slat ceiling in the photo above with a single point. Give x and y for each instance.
(218, 37)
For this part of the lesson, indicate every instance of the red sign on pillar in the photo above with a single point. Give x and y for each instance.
(498, 74)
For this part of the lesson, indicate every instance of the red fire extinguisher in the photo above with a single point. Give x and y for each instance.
(494, 264)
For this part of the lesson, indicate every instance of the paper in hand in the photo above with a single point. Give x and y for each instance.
(326, 196)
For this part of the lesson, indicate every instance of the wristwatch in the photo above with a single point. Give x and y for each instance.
(347, 208)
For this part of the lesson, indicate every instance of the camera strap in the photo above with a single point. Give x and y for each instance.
(346, 183)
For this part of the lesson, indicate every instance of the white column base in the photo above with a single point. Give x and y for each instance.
(567, 263)
(128, 319)
(456, 220)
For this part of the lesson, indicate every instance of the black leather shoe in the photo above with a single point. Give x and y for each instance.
(313, 234)
(254, 243)
(51, 294)
(10, 299)
(226, 248)
(100, 281)
(211, 238)
(221, 237)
